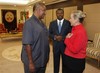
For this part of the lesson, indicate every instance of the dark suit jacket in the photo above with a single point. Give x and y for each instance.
(53, 30)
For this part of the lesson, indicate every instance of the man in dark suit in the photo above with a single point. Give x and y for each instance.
(58, 30)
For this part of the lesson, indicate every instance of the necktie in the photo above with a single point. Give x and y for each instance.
(59, 26)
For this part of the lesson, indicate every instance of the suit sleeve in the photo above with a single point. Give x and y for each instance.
(69, 27)
(27, 34)
(68, 30)
(51, 34)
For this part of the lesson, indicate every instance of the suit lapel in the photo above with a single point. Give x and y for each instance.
(63, 25)
(62, 28)
(56, 27)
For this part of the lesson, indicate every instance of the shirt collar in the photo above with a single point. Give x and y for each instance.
(77, 26)
(38, 21)
(60, 20)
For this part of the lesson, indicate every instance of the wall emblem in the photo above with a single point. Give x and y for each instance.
(9, 17)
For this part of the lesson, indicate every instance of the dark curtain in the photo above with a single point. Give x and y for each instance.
(9, 19)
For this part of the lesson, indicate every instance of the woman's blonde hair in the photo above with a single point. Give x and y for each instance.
(79, 15)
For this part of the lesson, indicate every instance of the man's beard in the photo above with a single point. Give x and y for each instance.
(60, 18)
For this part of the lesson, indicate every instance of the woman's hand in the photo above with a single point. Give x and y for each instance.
(69, 35)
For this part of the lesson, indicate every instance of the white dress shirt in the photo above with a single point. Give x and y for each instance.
(60, 21)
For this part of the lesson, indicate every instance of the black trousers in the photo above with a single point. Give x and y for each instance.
(56, 58)
(74, 65)
(37, 70)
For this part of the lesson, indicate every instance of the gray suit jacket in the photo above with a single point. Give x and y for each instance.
(35, 33)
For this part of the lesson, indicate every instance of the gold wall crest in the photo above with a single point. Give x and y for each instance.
(9, 17)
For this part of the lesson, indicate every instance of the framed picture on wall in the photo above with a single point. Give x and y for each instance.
(9, 18)
(24, 15)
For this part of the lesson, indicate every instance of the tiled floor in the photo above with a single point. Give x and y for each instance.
(10, 61)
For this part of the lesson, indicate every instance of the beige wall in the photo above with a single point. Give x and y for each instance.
(54, 14)
(51, 14)
(68, 10)
(0, 17)
(48, 18)
(92, 21)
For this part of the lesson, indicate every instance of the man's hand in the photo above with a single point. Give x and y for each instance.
(31, 67)
(31, 63)
(58, 38)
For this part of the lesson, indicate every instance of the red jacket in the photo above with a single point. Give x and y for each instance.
(77, 43)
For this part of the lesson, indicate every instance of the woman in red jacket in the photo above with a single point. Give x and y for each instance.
(76, 43)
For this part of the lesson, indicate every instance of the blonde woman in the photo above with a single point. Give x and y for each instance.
(76, 43)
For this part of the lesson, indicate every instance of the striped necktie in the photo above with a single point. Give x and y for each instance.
(59, 26)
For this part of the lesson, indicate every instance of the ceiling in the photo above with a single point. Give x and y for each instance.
(27, 2)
